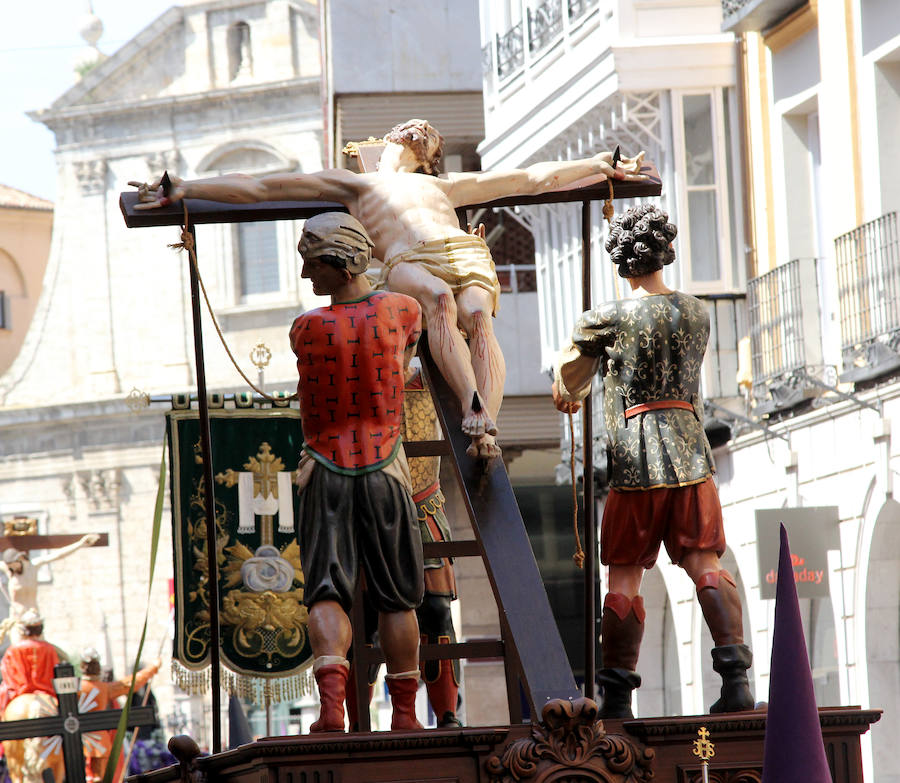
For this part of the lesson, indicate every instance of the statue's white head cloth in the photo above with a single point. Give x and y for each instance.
(337, 234)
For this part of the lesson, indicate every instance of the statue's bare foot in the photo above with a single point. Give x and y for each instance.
(476, 421)
(484, 446)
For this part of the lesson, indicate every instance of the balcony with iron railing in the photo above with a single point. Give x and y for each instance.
(868, 273)
(727, 325)
(743, 16)
(785, 336)
(510, 51)
(546, 23)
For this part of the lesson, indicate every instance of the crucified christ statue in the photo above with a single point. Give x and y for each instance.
(411, 218)
(22, 580)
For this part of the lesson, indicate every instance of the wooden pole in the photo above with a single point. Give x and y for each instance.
(210, 506)
(590, 529)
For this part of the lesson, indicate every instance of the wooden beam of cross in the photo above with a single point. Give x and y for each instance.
(28, 542)
(70, 724)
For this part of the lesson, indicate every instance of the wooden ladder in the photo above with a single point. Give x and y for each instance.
(535, 661)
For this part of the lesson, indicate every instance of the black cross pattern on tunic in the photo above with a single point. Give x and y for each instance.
(71, 724)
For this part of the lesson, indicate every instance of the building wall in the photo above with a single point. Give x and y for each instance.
(384, 46)
(821, 106)
(24, 247)
(803, 189)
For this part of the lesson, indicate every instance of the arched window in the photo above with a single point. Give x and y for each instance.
(240, 54)
(256, 263)
(258, 257)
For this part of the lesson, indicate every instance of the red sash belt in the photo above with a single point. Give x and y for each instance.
(634, 410)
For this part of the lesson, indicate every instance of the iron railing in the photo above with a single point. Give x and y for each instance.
(730, 7)
(545, 23)
(510, 51)
(578, 8)
(868, 271)
(756, 15)
(783, 312)
(727, 325)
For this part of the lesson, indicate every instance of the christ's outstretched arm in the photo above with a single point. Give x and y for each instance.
(478, 187)
(330, 185)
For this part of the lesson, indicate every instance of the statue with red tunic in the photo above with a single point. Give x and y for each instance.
(27, 666)
(434, 615)
(356, 507)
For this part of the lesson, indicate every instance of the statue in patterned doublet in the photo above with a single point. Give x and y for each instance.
(649, 350)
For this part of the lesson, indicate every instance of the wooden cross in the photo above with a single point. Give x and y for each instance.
(71, 724)
(30, 541)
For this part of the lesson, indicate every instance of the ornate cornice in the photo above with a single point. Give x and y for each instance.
(183, 102)
(347, 744)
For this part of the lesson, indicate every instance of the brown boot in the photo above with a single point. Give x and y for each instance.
(621, 631)
(731, 662)
(403, 700)
(721, 606)
(331, 680)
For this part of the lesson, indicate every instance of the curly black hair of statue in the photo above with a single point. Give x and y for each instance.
(640, 240)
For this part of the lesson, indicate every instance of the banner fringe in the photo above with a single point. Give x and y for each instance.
(261, 691)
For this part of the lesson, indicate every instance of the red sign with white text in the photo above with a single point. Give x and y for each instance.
(812, 533)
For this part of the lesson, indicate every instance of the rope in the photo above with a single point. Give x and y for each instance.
(608, 209)
(578, 557)
(187, 243)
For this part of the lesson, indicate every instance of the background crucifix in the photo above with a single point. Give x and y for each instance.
(19, 537)
(71, 725)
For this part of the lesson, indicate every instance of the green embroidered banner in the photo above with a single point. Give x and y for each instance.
(264, 643)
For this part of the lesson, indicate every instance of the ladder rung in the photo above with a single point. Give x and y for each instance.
(427, 448)
(486, 648)
(468, 548)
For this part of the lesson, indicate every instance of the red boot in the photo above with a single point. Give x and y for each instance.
(332, 683)
(403, 700)
(352, 706)
(443, 690)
